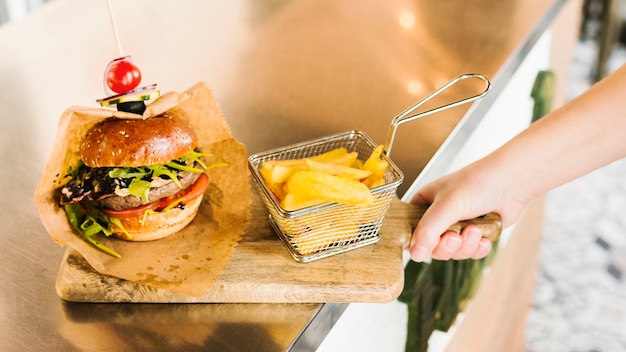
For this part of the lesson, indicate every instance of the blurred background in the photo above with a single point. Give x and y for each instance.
(14, 10)
(580, 299)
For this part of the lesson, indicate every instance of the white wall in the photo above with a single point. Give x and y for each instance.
(15, 10)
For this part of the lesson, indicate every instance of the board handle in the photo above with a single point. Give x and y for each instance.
(490, 224)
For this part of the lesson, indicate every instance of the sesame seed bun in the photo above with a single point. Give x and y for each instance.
(159, 225)
(138, 142)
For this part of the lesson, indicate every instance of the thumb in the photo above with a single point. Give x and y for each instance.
(434, 223)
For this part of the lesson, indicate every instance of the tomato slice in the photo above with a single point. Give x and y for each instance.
(187, 195)
(183, 197)
(132, 212)
(197, 189)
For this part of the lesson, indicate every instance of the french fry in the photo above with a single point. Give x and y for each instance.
(277, 190)
(295, 201)
(279, 173)
(338, 170)
(286, 162)
(330, 155)
(378, 166)
(345, 159)
(334, 176)
(339, 163)
(375, 163)
(319, 237)
(372, 182)
(319, 185)
(338, 154)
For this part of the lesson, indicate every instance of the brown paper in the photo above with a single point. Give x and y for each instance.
(189, 261)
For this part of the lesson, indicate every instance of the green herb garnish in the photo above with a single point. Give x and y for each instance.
(91, 224)
(129, 172)
(161, 170)
(139, 188)
(138, 181)
(139, 185)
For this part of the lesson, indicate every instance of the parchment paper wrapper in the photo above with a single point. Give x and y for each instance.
(189, 261)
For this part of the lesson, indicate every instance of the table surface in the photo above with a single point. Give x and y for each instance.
(282, 72)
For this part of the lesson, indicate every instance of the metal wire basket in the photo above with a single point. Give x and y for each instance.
(327, 229)
(331, 228)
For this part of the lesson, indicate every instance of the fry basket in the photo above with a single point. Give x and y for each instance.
(328, 229)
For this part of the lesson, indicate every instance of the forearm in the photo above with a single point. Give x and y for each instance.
(583, 135)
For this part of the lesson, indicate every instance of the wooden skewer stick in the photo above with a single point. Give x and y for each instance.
(113, 25)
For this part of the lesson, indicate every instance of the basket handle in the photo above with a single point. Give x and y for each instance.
(406, 117)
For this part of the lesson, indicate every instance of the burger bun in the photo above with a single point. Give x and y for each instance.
(160, 225)
(138, 142)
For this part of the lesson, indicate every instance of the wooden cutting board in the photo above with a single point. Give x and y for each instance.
(262, 270)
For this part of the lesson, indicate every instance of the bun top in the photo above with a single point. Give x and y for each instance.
(134, 143)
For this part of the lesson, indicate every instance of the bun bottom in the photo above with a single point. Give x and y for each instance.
(160, 225)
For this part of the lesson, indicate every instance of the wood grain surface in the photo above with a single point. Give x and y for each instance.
(261, 269)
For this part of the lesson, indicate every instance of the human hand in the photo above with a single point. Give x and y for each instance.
(468, 193)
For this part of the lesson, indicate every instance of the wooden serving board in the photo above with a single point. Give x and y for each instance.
(261, 270)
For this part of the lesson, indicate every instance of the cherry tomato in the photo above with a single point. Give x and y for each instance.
(122, 75)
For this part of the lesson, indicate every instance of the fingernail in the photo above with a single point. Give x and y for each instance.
(474, 235)
(484, 245)
(483, 249)
(453, 243)
(419, 253)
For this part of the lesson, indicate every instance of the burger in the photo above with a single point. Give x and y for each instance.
(137, 179)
